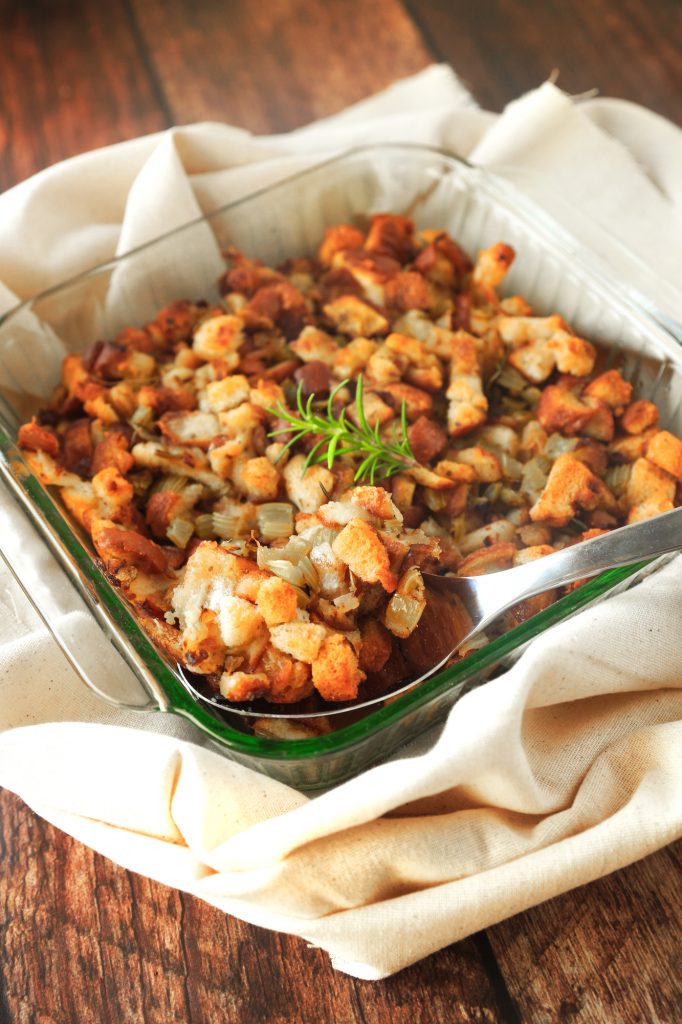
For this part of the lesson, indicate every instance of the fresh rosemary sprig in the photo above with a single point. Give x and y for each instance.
(339, 436)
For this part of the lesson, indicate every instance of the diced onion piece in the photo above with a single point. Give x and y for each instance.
(231, 523)
(501, 531)
(511, 379)
(407, 604)
(203, 527)
(512, 498)
(142, 417)
(170, 482)
(309, 572)
(435, 501)
(617, 478)
(275, 520)
(534, 476)
(179, 532)
(287, 571)
(347, 602)
(558, 445)
(512, 469)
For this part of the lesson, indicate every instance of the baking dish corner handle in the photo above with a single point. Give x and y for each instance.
(81, 638)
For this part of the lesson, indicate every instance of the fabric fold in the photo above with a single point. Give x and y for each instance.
(566, 766)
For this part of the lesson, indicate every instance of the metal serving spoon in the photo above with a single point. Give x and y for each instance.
(458, 607)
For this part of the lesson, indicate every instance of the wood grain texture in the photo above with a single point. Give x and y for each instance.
(81, 940)
(501, 48)
(85, 942)
(72, 77)
(273, 66)
(608, 952)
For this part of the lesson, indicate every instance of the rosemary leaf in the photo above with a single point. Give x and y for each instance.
(336, 436)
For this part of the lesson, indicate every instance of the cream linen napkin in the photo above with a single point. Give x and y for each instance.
(565, 768)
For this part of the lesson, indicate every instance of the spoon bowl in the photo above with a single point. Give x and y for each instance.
(459, 607)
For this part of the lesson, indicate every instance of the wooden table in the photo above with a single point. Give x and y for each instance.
(84, 941)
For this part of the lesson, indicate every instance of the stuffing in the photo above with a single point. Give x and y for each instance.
(650, 491)
(289, 681)
(353, 358)
(118, 548)
(179, 446)
(34, 438)
(639, 417)
(350, 315)
(570, 486)
(492, 265)
(488, 559)
(360, 547)
(336, 671)
(315, 345)
(189, 462)
(610, 388)
(338, 238)
(195, 428)
(418, 403)
(374, 408)
(228, 393)
(665, 451)
(239, 622)
(277, 601)
(307, 490)
(243, 686)
(302, 640)
(468, 404)
(219, 338)
(256, 478)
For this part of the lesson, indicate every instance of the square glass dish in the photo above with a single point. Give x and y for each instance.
(82, 609)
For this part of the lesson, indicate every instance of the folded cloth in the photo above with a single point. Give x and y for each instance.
(566, 767)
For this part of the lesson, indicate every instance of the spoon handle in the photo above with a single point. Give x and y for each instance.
(651, 537)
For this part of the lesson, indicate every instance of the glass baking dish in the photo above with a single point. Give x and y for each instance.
(94, 627)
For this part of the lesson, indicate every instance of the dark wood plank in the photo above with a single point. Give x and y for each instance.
(502, 48)
(273, 66)
(82, 940)
(85, 942)
(73, 76)
(606, 952)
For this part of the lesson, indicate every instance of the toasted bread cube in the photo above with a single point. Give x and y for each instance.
(257, 478)
(570, 485)
(227, 393)
(485, 464)
(244, 686)
(562, 411)
(360, 547)
(492, 265)
(639, 417)
(336, 671)
(353, 359)
(240, 622)
(665, 451)
(338, 238)
(277, 601)
(351, 316)
(650, 491)
(219, 337)
(610, 387)
(302, 640)
(307, 490)
(196, 428)
(488, 559)
(314, 345)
